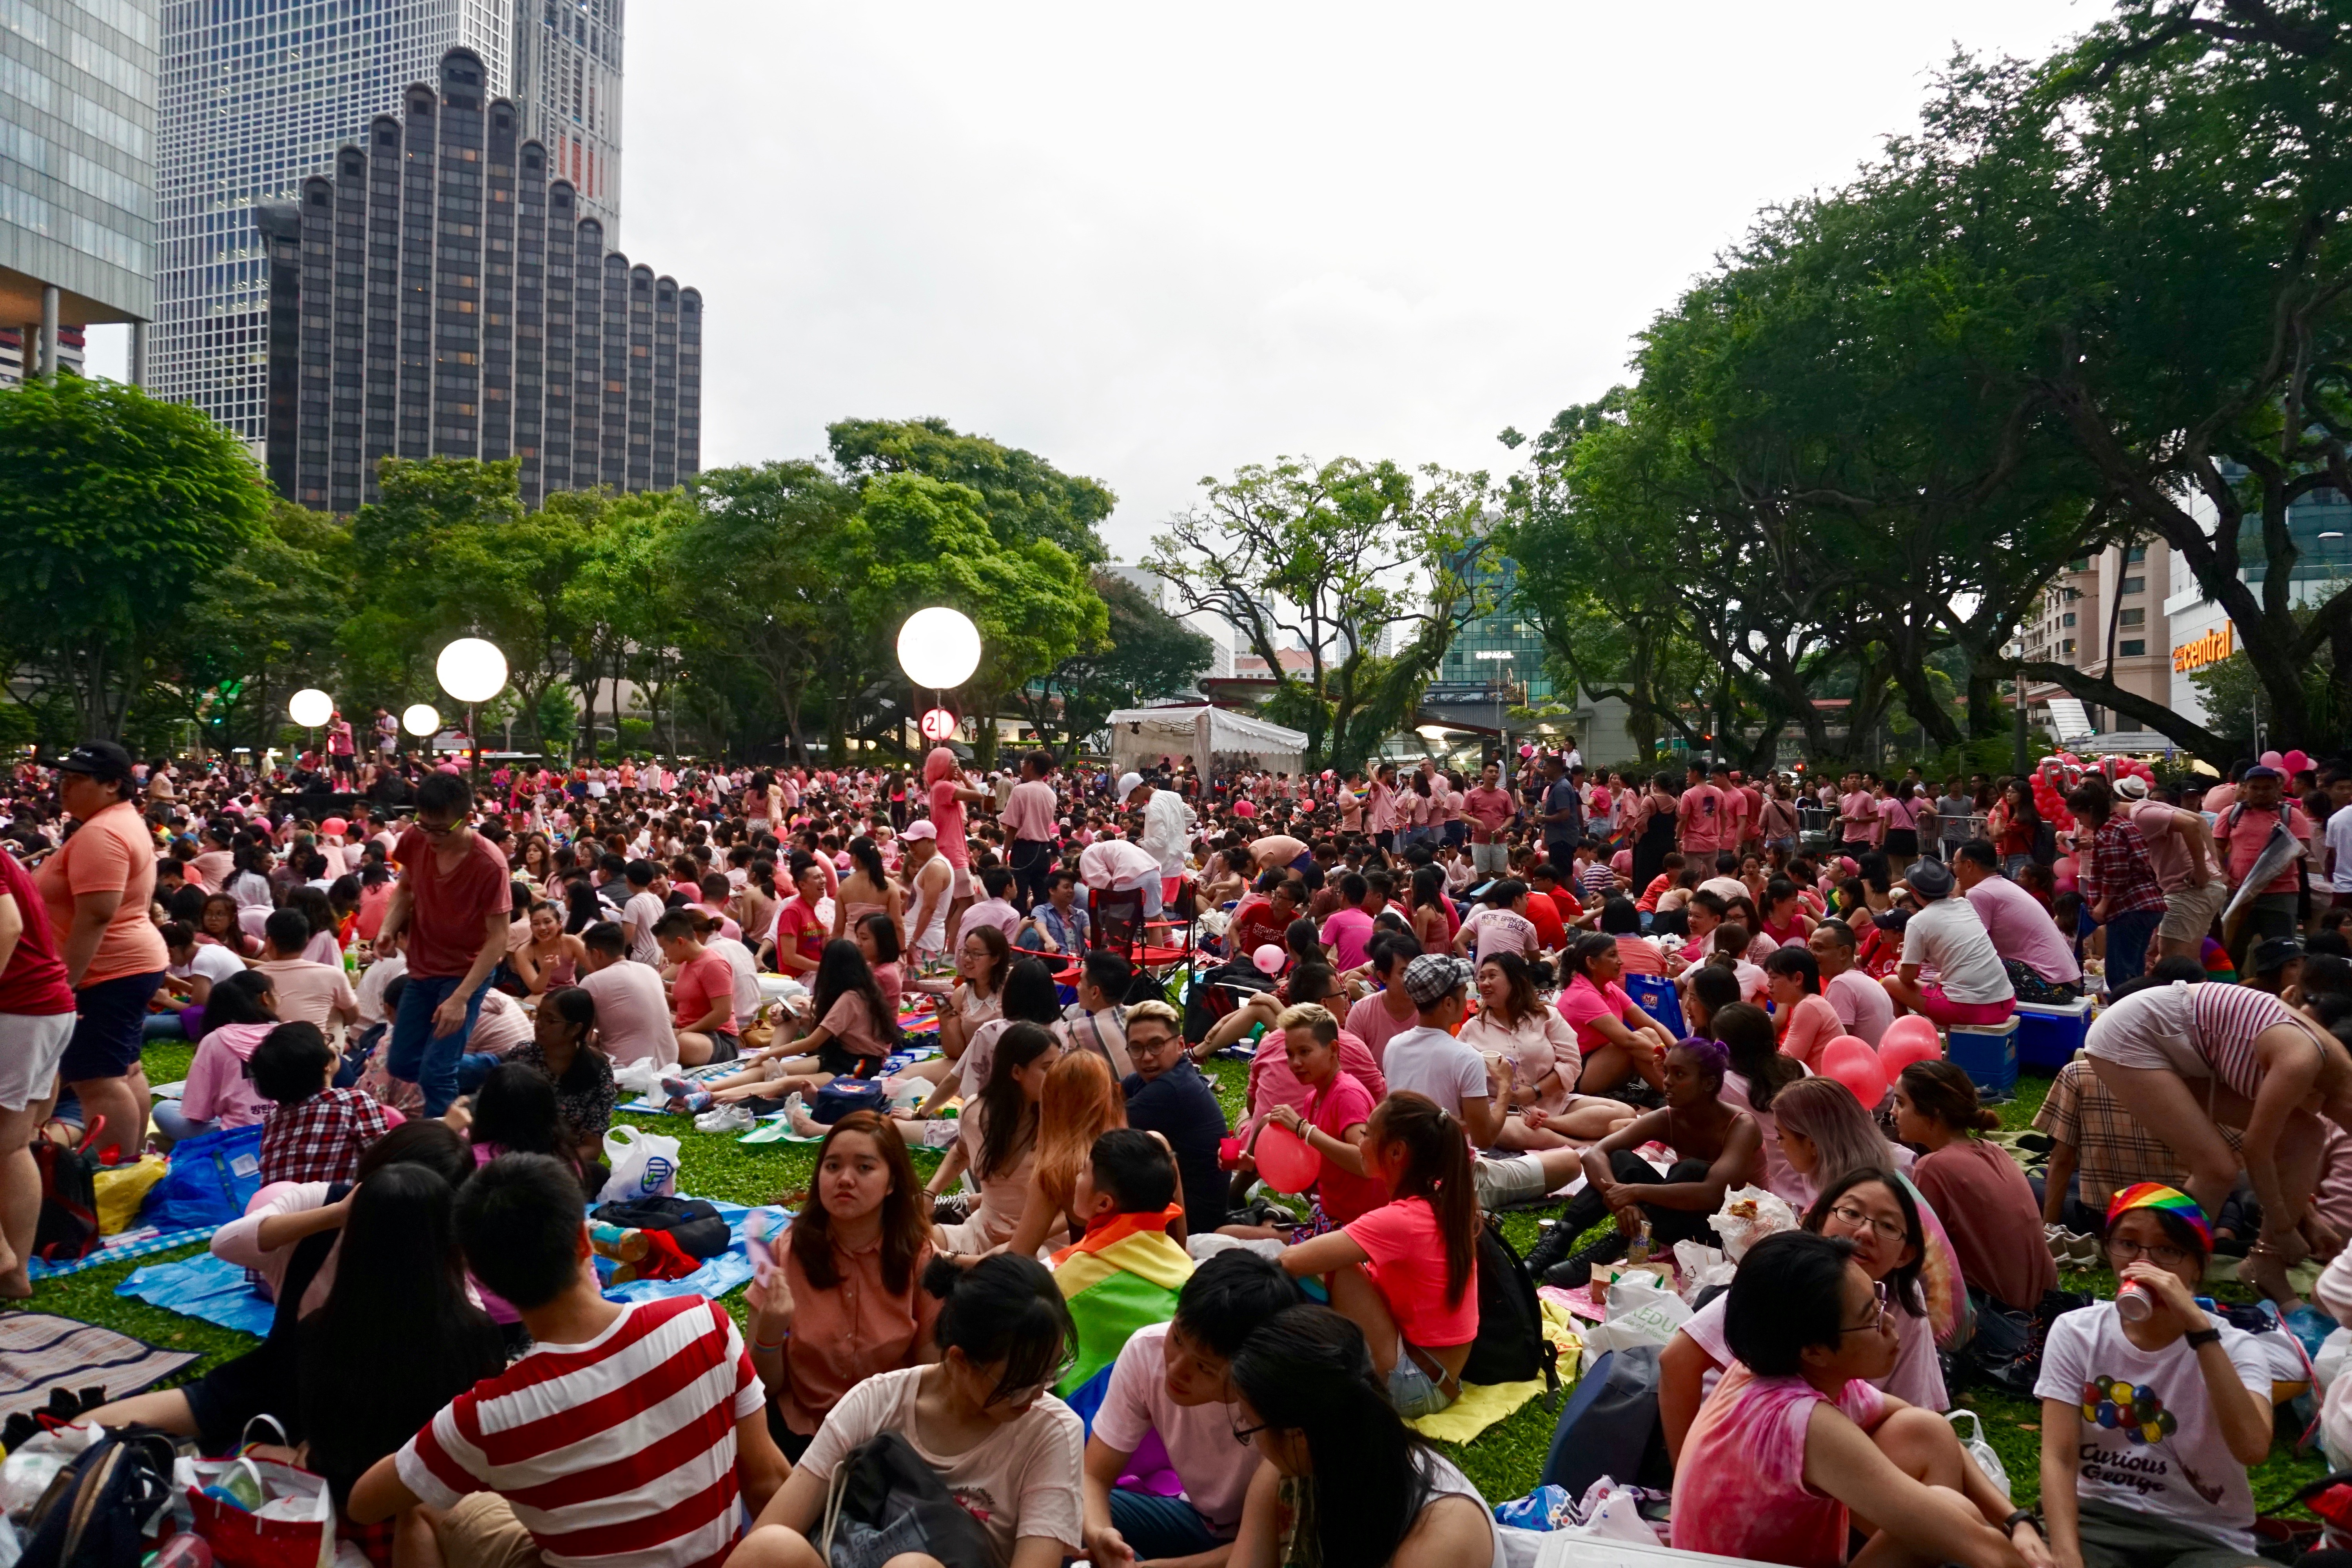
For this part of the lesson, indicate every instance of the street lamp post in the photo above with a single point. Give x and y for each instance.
(1498, 686)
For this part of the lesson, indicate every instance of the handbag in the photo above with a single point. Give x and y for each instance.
(292, 1525)
(883, 1501)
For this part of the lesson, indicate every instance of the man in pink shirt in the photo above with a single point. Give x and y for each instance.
(2040, 961)
(1698, 818)
(1861, 1002)
(1029, 815)
(1860, 823)
(1490, 809)
(1738, 815)
(2180, 848)
(2240, 834)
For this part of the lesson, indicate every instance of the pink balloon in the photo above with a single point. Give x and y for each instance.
(1860, 1073)
(2297, 760)
(1268, 959)
(1910, 1027)
(333, 825)
(2272, 760)
(1896, 1052)
(1844, 1045)
(1284, 1161)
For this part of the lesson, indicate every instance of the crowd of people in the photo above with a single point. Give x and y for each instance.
(1090, 1326)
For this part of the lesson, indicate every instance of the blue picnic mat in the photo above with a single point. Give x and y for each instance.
(217, 1292)
(143, 1242)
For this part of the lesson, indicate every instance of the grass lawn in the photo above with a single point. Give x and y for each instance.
(1504, 1462)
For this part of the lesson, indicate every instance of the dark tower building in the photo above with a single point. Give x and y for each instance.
(439, 294)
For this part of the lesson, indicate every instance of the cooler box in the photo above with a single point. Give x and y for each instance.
(1987, 1053)
(2050, 1033)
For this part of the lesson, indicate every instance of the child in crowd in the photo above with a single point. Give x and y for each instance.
(1316, 1411)
(242, 1010)
(1796, 1442)
(1126, 1271)
(981, 1417)
(317, 1132)
(1171, 1381)
(1418, 1319)
(638, 1429)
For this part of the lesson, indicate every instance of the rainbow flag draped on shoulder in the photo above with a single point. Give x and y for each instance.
(1123, 1276)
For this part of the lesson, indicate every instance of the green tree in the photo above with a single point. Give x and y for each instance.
(112, 505)
(1335, 560)
(1147, 655)
(1024, 496)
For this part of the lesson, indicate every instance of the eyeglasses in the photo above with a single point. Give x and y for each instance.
(1242, 1434)
(1858, 1218)
(435, 829)
(2121, 1252)
(1877, 1318)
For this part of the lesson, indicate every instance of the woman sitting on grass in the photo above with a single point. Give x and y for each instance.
(1079, 1103)
(996, 1139)
(239, 1014)
(1382, 1269)
(1796, 1445)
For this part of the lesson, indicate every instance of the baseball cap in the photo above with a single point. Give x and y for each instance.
(2259, 772)
(99, 759)
(1929, 879)
(920, 827)
(1430, 977)
(2276, 955)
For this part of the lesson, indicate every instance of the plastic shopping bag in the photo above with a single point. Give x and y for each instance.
(640, 1078)
(1749, 1215)
(257, 1514)
(1975, 1447)
(1701, 1268)
(122, 1188)
(1640, 1314)
(644, 1165)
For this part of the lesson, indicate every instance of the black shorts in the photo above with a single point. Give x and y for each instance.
(725, 1047)
(838, 1060)
(109, 1027)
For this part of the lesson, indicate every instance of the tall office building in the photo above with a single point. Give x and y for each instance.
(567, 84)
(77, 174)
(257, 96)
(440, 295)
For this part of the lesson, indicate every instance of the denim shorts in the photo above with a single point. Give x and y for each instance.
(1410, 1389)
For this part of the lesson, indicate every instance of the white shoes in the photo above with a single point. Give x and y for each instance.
(732, 1117)
(2072, 1249)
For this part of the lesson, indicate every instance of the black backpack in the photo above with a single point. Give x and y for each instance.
(68, 1227)
(883, 1500)
(1510, 1346)
(699, 1229)
(96, 1512)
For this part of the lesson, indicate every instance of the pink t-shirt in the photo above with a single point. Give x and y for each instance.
(700, 983)
(218, 1089)
(947, 816)
(1739, 1489)
(1699, 818)
(1407, 1253)
(1503, 930)
(1272, 1083)
(1345, 933)
(1813, 1024)
(1371, 1021)
(1346, 1198)
(1583, 1002)
(2247, 835)
(1860, 1004)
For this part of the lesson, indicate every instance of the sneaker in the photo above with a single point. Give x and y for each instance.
(1575, 1271)
(951, 1208)
(733, 1117)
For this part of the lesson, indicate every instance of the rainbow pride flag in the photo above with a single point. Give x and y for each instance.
(1123, 1276)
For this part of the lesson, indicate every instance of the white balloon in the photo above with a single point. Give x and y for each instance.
(421, 719)
(471, 670)
(939, 647)
(310, 706)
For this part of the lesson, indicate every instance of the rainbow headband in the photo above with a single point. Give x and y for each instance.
(2156, 1196)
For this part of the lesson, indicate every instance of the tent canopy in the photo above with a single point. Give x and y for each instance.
(1139, 737)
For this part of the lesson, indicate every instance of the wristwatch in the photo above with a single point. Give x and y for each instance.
(2022, 1516)
(2199, 1338)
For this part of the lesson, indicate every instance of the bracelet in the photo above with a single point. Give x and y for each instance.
(2022, 1516)
(2199, 1339)
(759, 1344)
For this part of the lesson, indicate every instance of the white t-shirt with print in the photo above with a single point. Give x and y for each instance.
(1023, 1481)
(2187, 1475)
(1949, 937)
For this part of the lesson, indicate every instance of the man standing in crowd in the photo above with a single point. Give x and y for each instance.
(1029, 818)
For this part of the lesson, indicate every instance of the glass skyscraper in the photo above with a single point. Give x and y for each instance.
(77, 172)
(567, 86)
(1500, 644)
(257, 96)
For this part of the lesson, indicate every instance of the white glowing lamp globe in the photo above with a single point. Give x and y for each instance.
(471, 670)
(311, 707)
(421, 719)
(939, 647)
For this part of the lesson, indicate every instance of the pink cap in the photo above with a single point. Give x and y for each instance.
(919, 828)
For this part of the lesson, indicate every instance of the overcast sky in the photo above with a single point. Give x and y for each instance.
(1155, 243)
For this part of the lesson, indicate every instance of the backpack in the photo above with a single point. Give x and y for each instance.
(96, 1512)
(68, 1227)
(1510, 1346)
(844, 1095)
(694, 1224)
(884, 1502)
(1610, 1428)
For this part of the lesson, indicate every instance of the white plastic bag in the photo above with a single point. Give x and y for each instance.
(1701, 1268)
(2335, 1350)
(644, 1165)
(1640, 1314)
(1975, 1447)
(639, 1079)
(1749, 1215)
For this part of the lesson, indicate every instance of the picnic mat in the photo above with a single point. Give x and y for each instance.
(142, 1241)
(897, 1063)
(39, 1351)
(218, 1292)
(1483, 1404)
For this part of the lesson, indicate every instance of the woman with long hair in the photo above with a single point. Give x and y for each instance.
(1758, 1071)
(2011, 825)
(1513, 1022)
(841, 1304)
(398, 1338)
(218, 923)
(1995, 1218)
(581, 907)
(1314, 1404)
(1874, 1210)
(241, 1011)
(563, 1048)
(876, 937)
(996, 1139)
(1419, 1321)
(982, 957)
(1081, 1101)
(1617, 1040)
(554, 958)
(1432, 916)
(1802, 1016)
(867, 890)
(1027, 994)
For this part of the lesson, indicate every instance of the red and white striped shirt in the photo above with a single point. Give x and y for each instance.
(619, 1453)
(2225, 1020)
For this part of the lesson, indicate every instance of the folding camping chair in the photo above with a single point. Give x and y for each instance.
(1658, 998)
(1122, 926)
